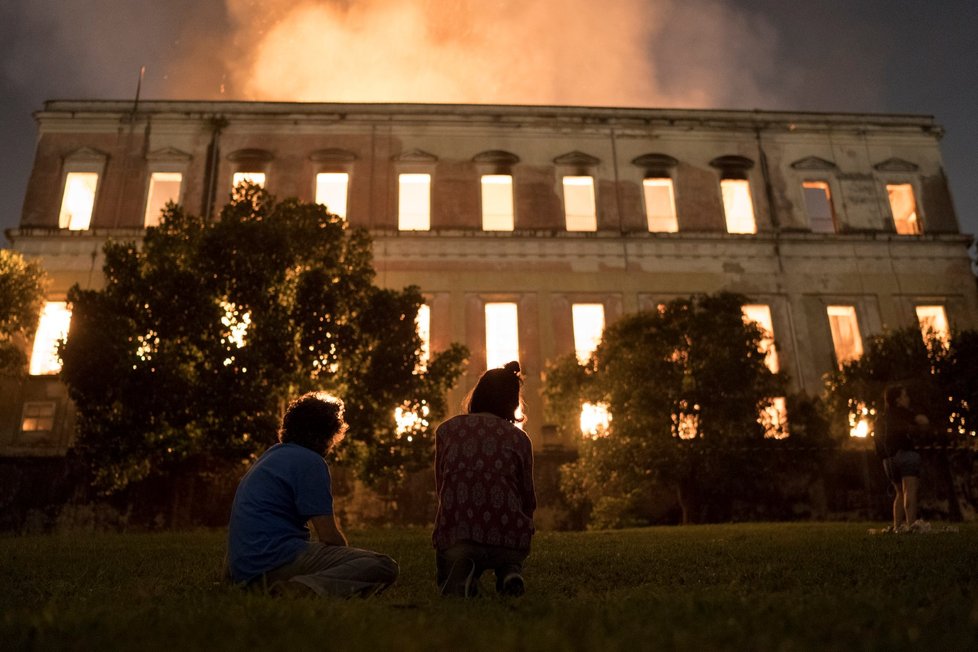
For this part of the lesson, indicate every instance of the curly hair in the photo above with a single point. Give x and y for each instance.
(499, 392)
(315, 421)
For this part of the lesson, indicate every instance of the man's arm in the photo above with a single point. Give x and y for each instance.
(328, 530)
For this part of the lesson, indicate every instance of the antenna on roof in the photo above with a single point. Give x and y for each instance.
(139, 87)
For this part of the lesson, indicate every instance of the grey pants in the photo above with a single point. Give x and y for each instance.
(337, 570)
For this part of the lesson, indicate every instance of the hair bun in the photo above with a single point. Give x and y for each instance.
(513, 367)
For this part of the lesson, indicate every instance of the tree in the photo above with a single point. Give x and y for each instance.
(188, 355)
(685, 386)
(21, 297)
(942, 378)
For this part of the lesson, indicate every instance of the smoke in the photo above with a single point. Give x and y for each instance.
(693, 53)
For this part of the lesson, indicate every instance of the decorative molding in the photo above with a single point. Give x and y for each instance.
(814, 163)
(496, 156)
(732, 163)
(577, 158)
(333, 155)
(655, 161)
(168, 154)
(86, 155)
(251, 155)
(896, 165)
(415, 156)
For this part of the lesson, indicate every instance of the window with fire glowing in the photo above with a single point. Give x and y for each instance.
(818, 206)
(257, 178)
(78, 201)
(774, 417)
(331, 191)
(846, 339)
(497, 202)
(933, 323)
(502, 334)
(423, 324)
(903, 207)
(51, 329)
(588, 322)
(738, 206)
(660, 205)
(164, 187)
(579, 204)
(38, 416)
(414, 202)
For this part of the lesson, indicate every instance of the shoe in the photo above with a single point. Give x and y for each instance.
(920, 526)
(461, 581)
(513, 585)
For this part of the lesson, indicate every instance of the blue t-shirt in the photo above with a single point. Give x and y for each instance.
(286, 487)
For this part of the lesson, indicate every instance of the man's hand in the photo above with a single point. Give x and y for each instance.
(328, 530)
(921, 421)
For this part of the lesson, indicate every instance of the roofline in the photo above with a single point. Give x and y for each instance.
(589, 113)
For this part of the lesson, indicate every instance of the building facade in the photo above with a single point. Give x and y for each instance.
(527, 228)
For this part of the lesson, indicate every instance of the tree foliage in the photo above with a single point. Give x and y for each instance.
(21, 297)
(200, 336)
(942, 377)
(693, 366)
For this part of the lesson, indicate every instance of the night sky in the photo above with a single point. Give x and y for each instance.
(887, 56)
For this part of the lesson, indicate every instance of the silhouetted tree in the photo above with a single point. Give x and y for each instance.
(200, 336)
(685, 386)
(942, 377)
(21, 297)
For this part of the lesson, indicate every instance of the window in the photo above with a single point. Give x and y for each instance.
(660, 205)
(933, 322)
(846, 339)
(774, 418)
(423, 323)
(761, 314)
(738, 208)
(78, 201)
(497, 202)
(163, 187)
(414, 202)
(52, 327)
(331, 191)
(818, 206)
(579, 207)
(595, 420)
(257, 178)
(38, 416)
(904, 208)
(588, 321)
(502, 334)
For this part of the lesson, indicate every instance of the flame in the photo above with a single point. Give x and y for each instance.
(52, 327)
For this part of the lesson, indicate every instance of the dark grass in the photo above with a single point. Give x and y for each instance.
(730, 587)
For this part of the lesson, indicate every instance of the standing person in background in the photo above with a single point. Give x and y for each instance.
(484, 481)
(288, 487)
(901, 461)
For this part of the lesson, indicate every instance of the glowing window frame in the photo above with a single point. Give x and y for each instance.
(502, 323)
(817, 224)
(52, 326)
(904, 225)
(333, 192)
(665, 221)
(498, 202)
(414, 201)
(835, 313)
(154, 204)
(579, 192)
(737, 196)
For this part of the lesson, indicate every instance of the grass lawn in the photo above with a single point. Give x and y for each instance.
(732, 587)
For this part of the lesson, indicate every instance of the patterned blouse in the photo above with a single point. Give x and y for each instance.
(484, 480)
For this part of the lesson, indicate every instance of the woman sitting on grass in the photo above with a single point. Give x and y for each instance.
(484, 480)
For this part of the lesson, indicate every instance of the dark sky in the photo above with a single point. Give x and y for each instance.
(889, 56)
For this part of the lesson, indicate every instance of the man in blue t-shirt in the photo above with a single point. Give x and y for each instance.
(288, 487)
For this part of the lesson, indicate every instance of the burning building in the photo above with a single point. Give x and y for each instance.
(528, 228)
